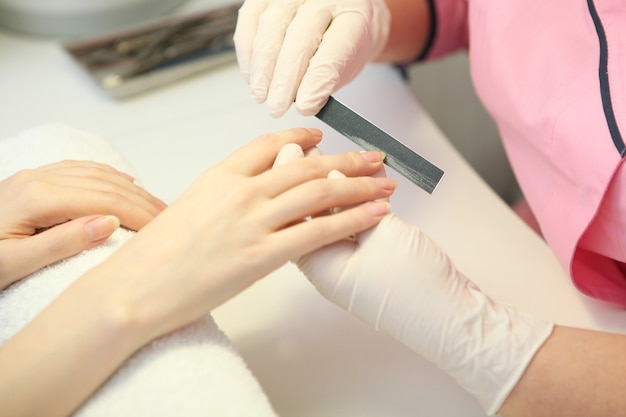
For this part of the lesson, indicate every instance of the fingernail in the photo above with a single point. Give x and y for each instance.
(160, 203)
(315, 132)
(387, 183)
(101, 227)
(379, 208)
(373, 156)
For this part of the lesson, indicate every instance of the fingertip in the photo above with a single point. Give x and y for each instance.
(313, 151)
(335, 174)
(373, 156)
(288, 153)
(308, 109)
(277, 110)
(127, 176)
(388, 184)
(257, 95)
(315, 132)
(313, 94)
(378, 208)
(161, 205)
(258, 87)
(101, 227)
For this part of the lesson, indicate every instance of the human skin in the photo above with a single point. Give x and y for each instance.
(576, 372)
(239, 221)
(58, 210)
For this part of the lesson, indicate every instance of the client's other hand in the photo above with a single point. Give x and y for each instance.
(58, 210)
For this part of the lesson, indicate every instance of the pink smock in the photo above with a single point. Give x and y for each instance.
(552, 74)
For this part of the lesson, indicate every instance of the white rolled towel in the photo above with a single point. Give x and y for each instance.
(195, 371)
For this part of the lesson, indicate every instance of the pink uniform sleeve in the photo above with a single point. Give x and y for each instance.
(450, 32)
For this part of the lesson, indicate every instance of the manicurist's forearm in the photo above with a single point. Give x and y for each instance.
(64, 354)
(576, 373)
(410, 28)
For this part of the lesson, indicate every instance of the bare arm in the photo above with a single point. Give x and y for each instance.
(576, 373)
(234, 225)
(410, 26)
(65, 354)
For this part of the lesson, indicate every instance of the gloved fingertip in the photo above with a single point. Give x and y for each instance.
(308, 110)
(309, 106)
(245, 75)
(258, 89)
(257, 95)
(335, 174)
(288, 153)
(313, 151)
(276, 111)
(378, 208)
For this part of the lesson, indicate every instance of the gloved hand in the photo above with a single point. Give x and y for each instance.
(397, 279)
(305, 50)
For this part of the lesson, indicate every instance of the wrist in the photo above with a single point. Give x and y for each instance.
(496, 344)
(113, 311)
(87, 338)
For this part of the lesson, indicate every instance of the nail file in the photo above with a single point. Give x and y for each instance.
(368, 136)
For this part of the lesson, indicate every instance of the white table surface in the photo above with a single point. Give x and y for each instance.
(311, 358)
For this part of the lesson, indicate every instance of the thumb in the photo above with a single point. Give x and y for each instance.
(25, 256)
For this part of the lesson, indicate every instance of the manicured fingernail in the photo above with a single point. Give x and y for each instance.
(378, 208)
(387, 183)
(160, 203)
(373, 156)
(101, 227)
(315, 132)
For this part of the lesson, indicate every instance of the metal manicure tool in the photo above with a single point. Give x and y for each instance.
(368, 136)
(147, 56)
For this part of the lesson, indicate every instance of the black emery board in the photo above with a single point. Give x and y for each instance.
(369, 137)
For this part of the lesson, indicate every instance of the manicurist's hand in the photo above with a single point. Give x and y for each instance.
(305, 50)
(399, 280)
(58, 210)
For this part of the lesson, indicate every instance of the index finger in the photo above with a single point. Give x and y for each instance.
(259, 155)
(300, 171)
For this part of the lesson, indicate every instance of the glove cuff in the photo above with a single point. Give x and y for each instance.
(510, 339)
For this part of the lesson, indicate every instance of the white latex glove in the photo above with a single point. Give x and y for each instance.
(400, 281)
(305, 50)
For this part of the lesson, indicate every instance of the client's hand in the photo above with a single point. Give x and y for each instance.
(239, 221)
(58, 210)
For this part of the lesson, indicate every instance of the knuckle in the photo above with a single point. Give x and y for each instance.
(322, 190)
(240, 195)
(114, 198)
(24, 176)
(28, 183)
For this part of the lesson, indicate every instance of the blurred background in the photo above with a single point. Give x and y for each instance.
(445, 89)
